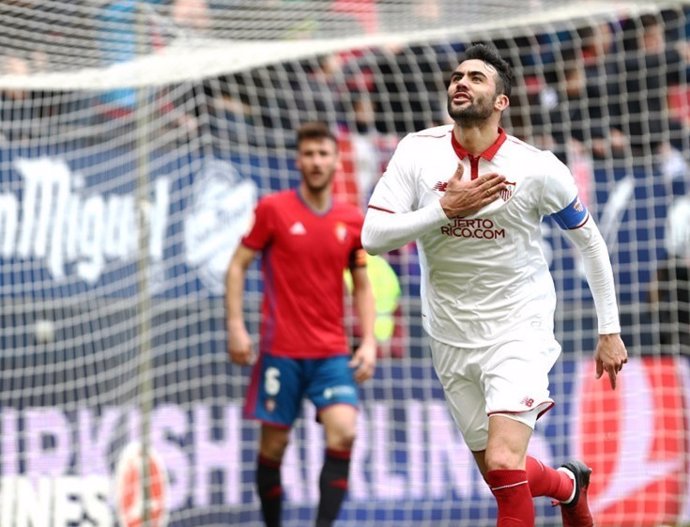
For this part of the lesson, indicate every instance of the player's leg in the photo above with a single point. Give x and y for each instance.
(516, 385)
(567, 485)
(339, 422)
(459, 371)
(274, 397)
(272, 445)
(503, 467)
(334, 393)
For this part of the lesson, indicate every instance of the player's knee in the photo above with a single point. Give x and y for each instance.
(342, 438)
(273, 446)
(503, 458)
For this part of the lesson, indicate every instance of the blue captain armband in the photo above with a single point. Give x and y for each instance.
(573, 216)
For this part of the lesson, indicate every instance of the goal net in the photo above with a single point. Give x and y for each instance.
(135, 140)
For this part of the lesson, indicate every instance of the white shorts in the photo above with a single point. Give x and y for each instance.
(510, 379)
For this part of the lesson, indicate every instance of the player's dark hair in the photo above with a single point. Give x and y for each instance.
(489, 54)
(315, 130)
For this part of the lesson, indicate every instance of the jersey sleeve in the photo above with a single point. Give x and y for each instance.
(261, 232)
(395, 190)
(559, 196)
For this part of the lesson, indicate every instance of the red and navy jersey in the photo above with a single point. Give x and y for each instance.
(304, 254)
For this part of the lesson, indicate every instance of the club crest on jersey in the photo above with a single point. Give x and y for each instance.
(340, 232)
(441, 186)
(507, 193)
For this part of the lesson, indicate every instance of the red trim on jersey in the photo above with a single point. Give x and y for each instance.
(381, 209)
(581, 224)
(487, 154)
(549, 405)
(474, 167)
(280, 426)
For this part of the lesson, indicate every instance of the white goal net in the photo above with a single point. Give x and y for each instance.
(135, 140)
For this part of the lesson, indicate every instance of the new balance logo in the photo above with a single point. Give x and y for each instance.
(528, 402)
(440, 186)
(298, 229)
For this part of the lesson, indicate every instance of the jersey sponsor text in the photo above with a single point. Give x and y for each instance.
(481, 228)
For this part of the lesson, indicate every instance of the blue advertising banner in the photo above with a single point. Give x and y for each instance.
(69, 222)
(409, 462)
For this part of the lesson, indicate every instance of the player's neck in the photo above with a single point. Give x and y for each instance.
(317, 200)
(476, 139)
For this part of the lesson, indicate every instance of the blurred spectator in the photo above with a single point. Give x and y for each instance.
(122, 39)
(322, 95)
(578, 110)
(18, 110)
(670, 296)
(650, 68)
(364, 153)
(191, 14)
(308, 90)
(407, 87)
(670, 293)
(601, 74)
(365, 12)
(229, 115)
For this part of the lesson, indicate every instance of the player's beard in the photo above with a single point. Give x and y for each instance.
(322, 184)
(474, 114)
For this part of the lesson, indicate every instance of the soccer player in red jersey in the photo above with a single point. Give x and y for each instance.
(473, 197)
(306, 241)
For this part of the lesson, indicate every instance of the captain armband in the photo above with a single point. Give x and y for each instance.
(573, 216)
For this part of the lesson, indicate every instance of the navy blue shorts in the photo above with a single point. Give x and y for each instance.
(279, 384)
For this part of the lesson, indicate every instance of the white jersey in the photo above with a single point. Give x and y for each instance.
(484, 277)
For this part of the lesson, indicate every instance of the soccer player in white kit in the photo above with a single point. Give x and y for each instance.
(473, 197)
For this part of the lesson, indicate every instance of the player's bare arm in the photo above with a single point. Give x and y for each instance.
(364, 358)
(463, 197)
(610, 356)
(239, 342)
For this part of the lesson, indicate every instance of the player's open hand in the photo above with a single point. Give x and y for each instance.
(465, 197)
(610, 356)
(364, 361)
(240, 346)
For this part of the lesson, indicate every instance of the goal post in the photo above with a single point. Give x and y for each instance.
(131, 158)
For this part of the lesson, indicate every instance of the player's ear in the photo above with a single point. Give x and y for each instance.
(502, 102)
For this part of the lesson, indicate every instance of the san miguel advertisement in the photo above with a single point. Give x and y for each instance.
(71, 227)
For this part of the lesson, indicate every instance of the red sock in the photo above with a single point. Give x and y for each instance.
(513, 496)
(546, 481)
